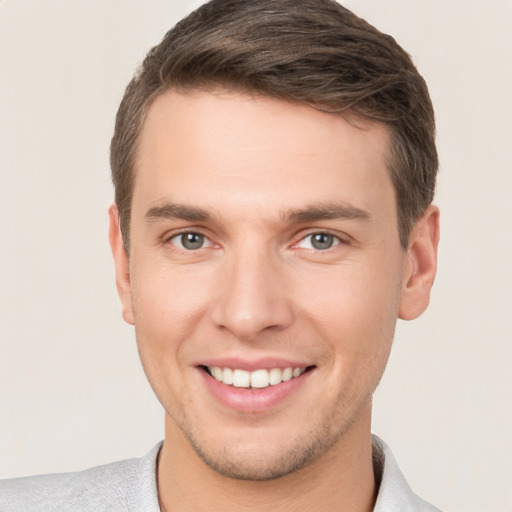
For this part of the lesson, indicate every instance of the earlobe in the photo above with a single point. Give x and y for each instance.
(122, 264)
(421, 265)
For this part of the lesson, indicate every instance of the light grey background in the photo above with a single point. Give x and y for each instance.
(72, 392)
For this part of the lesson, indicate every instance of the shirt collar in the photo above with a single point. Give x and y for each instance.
(394, 493)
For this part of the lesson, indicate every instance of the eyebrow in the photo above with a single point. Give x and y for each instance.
(177, 211)
(314, 213)
(328, 211)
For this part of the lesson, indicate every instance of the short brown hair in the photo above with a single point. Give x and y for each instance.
(314, 52)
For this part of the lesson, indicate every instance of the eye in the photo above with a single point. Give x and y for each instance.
(319, 241)
(190, 241)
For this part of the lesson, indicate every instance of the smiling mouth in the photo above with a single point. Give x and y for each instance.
(261, 378)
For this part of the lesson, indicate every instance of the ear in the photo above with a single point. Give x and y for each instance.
(421, 266)
(122, 264)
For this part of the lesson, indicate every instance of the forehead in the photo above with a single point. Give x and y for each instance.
(224, 148)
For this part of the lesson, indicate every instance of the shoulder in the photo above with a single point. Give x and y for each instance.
(124, 485)
(394, 494)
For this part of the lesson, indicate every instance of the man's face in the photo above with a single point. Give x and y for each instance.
(263, 238)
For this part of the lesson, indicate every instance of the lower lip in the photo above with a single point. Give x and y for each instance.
(253, 400)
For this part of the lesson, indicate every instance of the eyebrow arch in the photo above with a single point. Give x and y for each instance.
(177, 211)
(328, 212)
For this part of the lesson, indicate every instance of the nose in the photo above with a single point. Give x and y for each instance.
(252, 298)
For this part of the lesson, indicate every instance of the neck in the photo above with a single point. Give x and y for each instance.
(340, 479)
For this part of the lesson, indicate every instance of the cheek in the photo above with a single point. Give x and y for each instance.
(168, 308)
(167, 301)
(353, 299)
(359, 327)
(355, 314)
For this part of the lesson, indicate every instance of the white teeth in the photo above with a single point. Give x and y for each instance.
(227, 377)
(274, 376)
(287, 374)
(217, 372)
(256, 379)
(241, 379)
(259, 379)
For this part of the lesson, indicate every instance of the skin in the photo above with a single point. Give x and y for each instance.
(258, 288)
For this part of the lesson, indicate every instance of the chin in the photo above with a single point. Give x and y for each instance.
(264, 460)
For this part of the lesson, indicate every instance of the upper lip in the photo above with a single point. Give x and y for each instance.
(253, 364)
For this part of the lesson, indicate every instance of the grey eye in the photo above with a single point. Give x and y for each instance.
(319, 241)
(192, 241)
(189, 241)
(322, 241)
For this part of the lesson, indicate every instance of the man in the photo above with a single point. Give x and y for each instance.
(274, 166)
